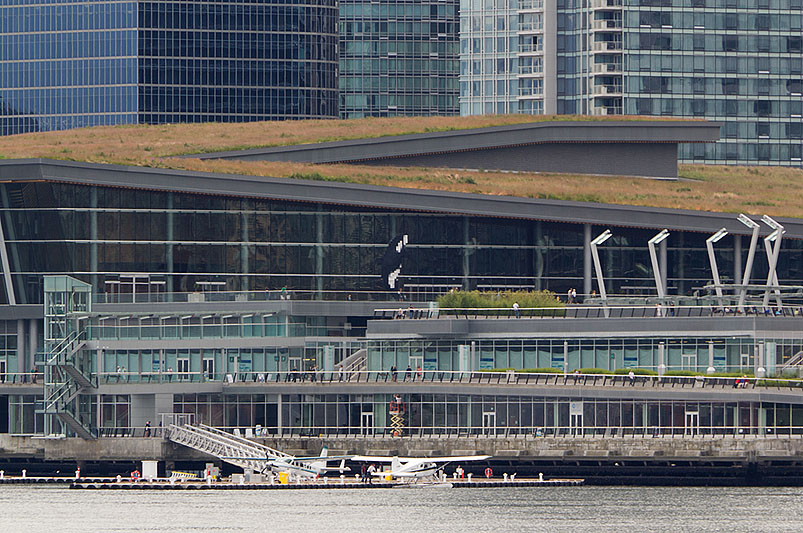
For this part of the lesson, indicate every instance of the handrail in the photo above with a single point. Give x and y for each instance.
(591, 311)
(428, 376)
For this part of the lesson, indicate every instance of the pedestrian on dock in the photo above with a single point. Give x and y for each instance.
(516, 309)
(632, 377)
(148, 428)
(371, 470)
(363, 472)
(408, 373)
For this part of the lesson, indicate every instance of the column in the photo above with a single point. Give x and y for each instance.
(586, 259)
(93, 237)
(466, 253)
(319, 251)
(244, 285)
(24, 364)
(33, 342)
(169, 238)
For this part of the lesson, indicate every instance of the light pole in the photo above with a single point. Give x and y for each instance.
(772, 257)
(659, 284)
(748, 268)
(709, 244)
(601, 238)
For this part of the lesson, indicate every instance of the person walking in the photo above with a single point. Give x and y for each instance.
(632, 376)
(408, 374)
(393, 372)
(148, 428)
(516, 309)
(371, 470)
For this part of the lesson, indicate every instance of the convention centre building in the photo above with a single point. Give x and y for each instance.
(289, 307)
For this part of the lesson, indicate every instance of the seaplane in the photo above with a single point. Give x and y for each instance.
(308, 467)
(413, 469)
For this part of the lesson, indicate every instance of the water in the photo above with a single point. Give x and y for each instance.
(592, 509)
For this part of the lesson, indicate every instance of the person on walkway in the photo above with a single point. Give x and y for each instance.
(148, 428)
(516, 309)
(408, 374)
(632, 377)
(371, 470)
(393, 372)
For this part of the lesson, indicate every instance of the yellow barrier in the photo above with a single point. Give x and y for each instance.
(388, 477)
(284, 478)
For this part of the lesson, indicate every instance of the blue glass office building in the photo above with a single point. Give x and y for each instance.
(398, 58)
(74, 64)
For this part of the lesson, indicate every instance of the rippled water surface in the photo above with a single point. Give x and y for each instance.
(621, 509)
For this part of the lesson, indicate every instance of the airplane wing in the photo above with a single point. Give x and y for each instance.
(460, 459)
(382, 459)
(321, 457)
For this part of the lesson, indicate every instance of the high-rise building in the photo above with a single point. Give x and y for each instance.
(74, 64)
(736, 62)
(398, 58)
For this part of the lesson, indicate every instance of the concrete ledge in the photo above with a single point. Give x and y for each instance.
(508, 453)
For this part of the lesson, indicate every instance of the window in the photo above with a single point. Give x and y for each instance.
(762, 108)
(794, 130)
(698, 85)
(730, 43)
(698, 107)
(730, 86)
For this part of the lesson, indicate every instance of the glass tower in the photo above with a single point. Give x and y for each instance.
(66, 65)
(398, 58)
(726, 60)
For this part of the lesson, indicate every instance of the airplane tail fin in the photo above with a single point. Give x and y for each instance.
(395, 465)
(321, 465)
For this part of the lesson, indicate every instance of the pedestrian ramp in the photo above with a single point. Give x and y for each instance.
(233, 449)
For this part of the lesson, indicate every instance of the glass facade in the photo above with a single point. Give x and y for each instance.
(124, 241)
(683, 352)
(398, 58)
(75, 64)
(724, 60)
(499, 415)
(489, 55)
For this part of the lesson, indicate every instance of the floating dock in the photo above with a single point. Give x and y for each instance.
(336, 484)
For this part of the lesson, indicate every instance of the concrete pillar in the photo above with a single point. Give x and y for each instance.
(661, 362)
(25, 362)
(538, 267)
(566, 357)
(169, 237)
(710, 369)
(279, 422)
(93, 236)
(33, 341)
(244, 285)
(466, 253)
(586, 259)
(319, 250)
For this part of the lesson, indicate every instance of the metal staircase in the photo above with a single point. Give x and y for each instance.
(355, 362)
(233, 449)
(65, 379)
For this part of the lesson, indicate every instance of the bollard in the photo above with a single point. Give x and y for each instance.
(454, 475)
(272, 479)
(24, 473)
(443, 477)
(119, 478)
(172, 481)
(512, 477)
(2, 474)
(342, 479)
(208, 481)
(505, 477)
(540, 476)
(325, 480)
(469, 477)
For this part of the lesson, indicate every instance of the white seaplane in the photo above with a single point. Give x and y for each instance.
(308, 467)
(413, 469)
